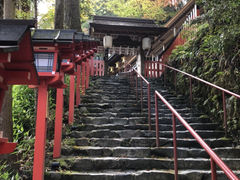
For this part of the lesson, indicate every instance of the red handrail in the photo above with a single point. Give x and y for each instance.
(149, 94)
(213, 156)
(209, 84)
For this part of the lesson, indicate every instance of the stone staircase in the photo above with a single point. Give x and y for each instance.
(110, 139)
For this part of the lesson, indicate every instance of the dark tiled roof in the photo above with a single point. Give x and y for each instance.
(66, 35)
(11, 33)
(43, 35)
(119, 25)
(78, 37)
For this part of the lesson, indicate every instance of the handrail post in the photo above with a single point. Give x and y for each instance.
(156, 120)
(149, 107)
(175, 147)
(165, 75)
(141, 95)
(213, 170)
(225, 113)
(191, 97)
(136, 86)
(175, 80)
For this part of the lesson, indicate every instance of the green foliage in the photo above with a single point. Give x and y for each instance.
(24, 9)
(85, 10)
(100, 7)
(5, 173)
(213, 54)
(137, 9)
(23, 112)
(24, 153)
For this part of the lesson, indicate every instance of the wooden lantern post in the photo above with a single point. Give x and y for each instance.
(82, 59)
(48, 67)
(66, 48)
(78, 59)
(16, 62)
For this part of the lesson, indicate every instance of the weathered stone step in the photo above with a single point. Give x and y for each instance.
(103, 133)
(77, 163)
(115, 118)
(146, 142)
(134, 112)
(99, 107)
(138, 152)
(105, 105)
(162, 127)
(117, 109)
(134, 175)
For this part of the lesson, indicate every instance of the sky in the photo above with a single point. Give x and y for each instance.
(43, 6)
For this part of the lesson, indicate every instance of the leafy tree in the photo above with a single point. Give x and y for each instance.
(47, 20)
(101, 8)
(138, 9)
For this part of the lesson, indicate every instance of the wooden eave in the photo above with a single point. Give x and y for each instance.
(125, 26)
(175, 22)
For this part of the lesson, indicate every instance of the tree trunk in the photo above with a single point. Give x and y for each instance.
(36, 12)
(72, 15)
(59, 14)
(9, 9)
(1, 9)
(6, 111)
(6, 115)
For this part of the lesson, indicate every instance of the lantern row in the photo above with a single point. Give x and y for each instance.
(41, 61)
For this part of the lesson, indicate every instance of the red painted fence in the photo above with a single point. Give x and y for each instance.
(153, 69)
(96, 67)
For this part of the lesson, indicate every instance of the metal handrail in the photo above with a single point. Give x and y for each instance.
(148, 94)
(213, 156)
(209, 84)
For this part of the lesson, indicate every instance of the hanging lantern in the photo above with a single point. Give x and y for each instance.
(111, 69)
(123, 59)
(146, 43)
(107, 41)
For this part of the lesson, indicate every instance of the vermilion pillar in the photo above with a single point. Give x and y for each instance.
(71, 99)
(83, 77)
(92, 66)
(41, 129)
(78, 98)
(58, 124)
(87, 73)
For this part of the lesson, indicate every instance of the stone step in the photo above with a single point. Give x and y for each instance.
(110, 139)
(146, 142)
(162, 127)
(104, 133)
(129, 107)
(138, 152)
(77, 163)
(124, 119)
(134, 175)
(128, 103)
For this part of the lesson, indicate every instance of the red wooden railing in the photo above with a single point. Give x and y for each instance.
(96, 67)
(224, 91)
(215, 160)
(153, 69)
(213, 156)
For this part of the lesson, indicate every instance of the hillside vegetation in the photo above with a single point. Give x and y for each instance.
(212, 52)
